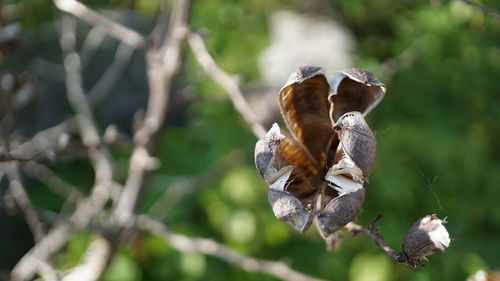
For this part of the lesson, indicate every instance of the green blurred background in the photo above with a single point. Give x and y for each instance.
(437, 130)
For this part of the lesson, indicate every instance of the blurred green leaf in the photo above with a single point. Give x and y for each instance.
(369, 267)
(122, 268)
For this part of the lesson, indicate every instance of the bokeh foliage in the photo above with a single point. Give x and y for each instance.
(437, 131)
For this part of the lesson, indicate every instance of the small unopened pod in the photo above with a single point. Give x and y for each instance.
(340, 211)
(425, 237)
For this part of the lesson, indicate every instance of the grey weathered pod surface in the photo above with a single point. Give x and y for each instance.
(266, 154)
(357, 143)
(425, 237)
(275, 151)
(340, 211)
(289, 190)
(289, 209)
(354, 90)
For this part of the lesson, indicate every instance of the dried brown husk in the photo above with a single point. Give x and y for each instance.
(290, 192)
(354, 90)
(305, 108)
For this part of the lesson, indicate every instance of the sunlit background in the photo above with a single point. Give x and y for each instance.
(437, 130)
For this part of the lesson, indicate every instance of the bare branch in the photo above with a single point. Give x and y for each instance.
(162, 66)
(47, 272)
(403, 60)
(186, 186)
(55, 184)
(209, 247)
(114, 71)
(94, 262)
(93, 205)
(44, 144)
(19, 193)
(113, 29)
(374, 232)
(227, 81)
(75, 93)
(88, 130)
(36, 258)
(92, 41)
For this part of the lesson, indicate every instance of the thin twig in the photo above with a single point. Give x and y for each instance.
(227, 81)
(94, 261)
(209, 247)
(112, 28)
(54, 183)
(163, 63)
(98, 153)
(186, 186)
(374, 232)
(36, 258)
(91, 206)
(44, 144)
(111, 75)
(92, 41)
(48, 272)
(24, 203)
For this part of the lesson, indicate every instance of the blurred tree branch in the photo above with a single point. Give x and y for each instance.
(209, 247)
(19, 194)
(163, 55)
(92, 205)
(228, 82)
(162, 63)
(374, 232)
(484, 9)
(113, 29)
(163, 60)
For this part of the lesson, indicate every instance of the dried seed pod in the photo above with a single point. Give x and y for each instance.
(340, 211)
(289, 190)
(296, 166)
(425, 237)
(305, 108)
(265, 153)
(289, 209)
(354, 90)
(358, 146)
(276, 151)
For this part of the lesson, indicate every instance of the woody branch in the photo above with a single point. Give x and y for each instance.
(163, 61)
